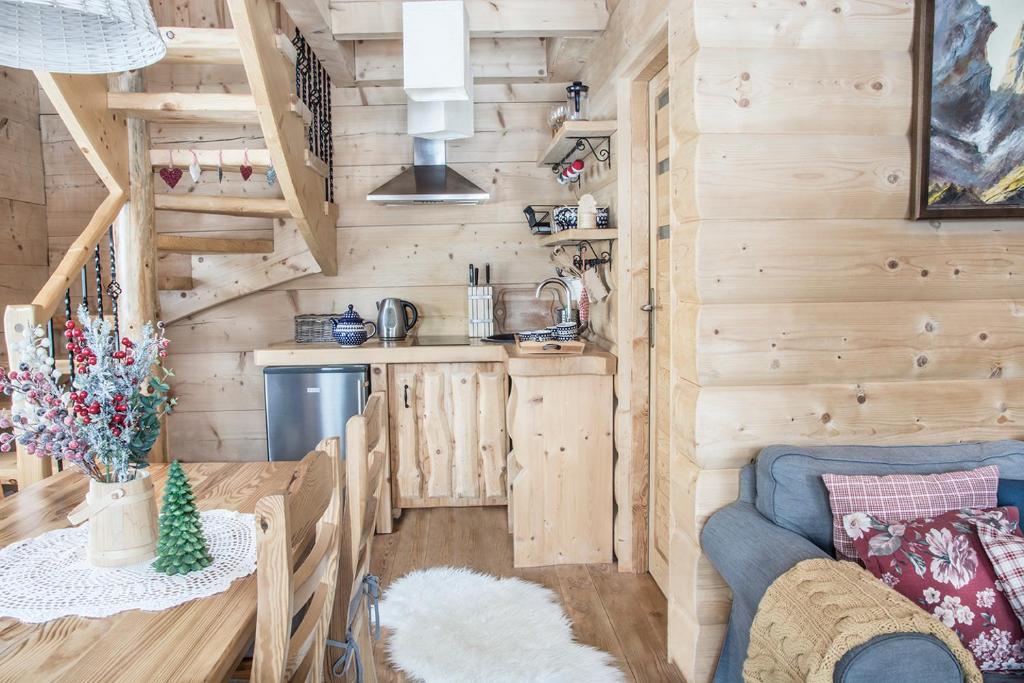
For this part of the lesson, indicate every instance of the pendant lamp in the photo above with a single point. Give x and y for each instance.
(79, 36)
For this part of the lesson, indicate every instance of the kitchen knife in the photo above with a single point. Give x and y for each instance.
(476, 277)
(487, 273)
(471, 269)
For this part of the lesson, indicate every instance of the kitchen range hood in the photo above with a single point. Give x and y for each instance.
(428, 181)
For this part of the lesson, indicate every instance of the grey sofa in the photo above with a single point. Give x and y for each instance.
(783, 517)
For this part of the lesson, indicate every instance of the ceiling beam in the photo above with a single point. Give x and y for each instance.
(494, 60)
(566, 57)
(313, 19)
(382, 19)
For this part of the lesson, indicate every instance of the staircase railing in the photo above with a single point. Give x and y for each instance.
(57, 302)
(313, 86)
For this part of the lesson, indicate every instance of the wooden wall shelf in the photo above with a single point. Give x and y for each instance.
(567, 137)
(576, 236)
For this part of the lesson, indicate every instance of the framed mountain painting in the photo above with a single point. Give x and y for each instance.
(969, 109)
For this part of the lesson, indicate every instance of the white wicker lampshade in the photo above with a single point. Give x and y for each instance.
(78, 36)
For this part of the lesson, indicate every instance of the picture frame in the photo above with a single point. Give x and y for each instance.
(960, 198)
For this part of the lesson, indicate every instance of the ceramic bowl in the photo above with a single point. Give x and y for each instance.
(566, 332)
(567, 217)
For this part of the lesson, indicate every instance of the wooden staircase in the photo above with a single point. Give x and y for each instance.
(269, 60)
(282, 78)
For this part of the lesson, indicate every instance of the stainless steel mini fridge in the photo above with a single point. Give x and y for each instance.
(306, 404)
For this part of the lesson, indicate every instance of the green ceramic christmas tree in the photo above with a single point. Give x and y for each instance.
(181, 548)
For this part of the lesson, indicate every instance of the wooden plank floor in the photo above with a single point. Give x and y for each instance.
(622, 614)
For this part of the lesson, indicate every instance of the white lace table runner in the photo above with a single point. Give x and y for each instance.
(48, 577)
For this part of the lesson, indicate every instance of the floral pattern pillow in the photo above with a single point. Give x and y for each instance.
(940, 564)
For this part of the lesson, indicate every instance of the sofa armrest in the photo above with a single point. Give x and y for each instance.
(750, 552)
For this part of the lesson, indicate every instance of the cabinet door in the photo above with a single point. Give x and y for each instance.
(448, 436)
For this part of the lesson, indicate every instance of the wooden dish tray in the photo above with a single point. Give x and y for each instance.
(550, 348)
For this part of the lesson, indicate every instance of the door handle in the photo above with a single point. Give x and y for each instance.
(406, 396)
(649, 308)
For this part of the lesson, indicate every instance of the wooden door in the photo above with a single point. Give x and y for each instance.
(448, 438)
(660, 415)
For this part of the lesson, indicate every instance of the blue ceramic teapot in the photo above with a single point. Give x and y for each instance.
(350, 329)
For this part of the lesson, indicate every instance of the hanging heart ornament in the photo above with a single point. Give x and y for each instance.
(194, 169)
(271, 176)
(171, 176)
(245, 169)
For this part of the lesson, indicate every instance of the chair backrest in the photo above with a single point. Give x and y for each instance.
(365, 452)
(298, 551)
(791, 493)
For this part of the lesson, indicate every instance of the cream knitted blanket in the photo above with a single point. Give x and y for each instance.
(821, 609)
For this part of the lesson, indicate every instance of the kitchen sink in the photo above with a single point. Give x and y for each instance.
(507, 338)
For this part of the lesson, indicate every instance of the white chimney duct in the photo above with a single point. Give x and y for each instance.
(437, 71)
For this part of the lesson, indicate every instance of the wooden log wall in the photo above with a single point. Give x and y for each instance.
(417, 253)
(807, 308)
(23, 243)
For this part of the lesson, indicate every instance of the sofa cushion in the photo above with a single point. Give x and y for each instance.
(896, 497)
(1011, 492)
(939, 563)
(791, 494)
(1005, 549)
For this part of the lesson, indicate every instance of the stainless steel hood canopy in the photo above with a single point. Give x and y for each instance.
(428, 181)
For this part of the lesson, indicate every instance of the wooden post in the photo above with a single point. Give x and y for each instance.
(135, 238)
(18, 319)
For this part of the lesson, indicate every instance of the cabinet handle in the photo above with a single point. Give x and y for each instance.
(406, 395)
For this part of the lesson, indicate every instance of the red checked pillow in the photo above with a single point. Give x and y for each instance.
(940, 564)
(1005, 549)
(906, 496)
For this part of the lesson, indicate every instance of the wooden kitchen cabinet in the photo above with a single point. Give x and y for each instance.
(560, 469)
(448, 439)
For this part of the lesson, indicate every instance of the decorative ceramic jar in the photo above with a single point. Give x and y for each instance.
(566, 332)
(567, 217)
(122, 521)
(349, 329)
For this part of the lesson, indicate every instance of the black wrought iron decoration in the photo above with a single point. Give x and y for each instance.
(600, 148)
(313, 86)
(113, 288)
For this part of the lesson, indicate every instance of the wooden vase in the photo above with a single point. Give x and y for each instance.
(123, 521)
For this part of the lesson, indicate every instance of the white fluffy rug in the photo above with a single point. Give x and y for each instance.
(451, 625)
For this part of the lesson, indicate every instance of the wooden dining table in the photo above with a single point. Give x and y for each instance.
(201, 640)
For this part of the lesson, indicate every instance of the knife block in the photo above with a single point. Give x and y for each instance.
(481, 311)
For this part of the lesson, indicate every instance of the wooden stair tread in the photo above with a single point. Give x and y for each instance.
(232, 159)
(186, 244)
(186, 45)
(314, 162)
(177, 106)
(196, 106)
(227, 206)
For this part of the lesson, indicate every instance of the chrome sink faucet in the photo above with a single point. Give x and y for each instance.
(567, 310)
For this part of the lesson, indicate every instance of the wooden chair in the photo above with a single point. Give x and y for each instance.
(298, 553)
(365, 454)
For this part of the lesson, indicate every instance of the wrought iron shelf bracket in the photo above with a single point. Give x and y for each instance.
(598, 147)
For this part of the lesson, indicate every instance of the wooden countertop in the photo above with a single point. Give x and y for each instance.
(593, 361)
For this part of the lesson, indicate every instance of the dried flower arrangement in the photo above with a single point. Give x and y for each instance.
(107, 419)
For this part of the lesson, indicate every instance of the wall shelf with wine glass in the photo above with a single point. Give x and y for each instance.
(579, 140)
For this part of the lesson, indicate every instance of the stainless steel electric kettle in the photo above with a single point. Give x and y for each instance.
(393, 321)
